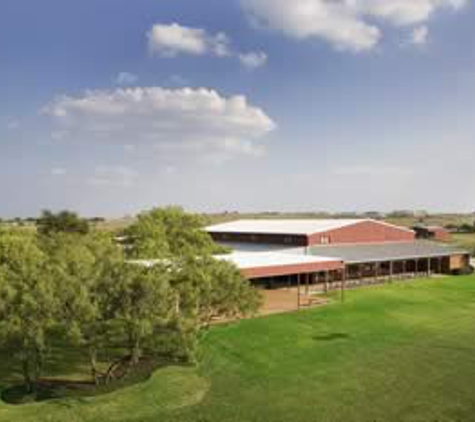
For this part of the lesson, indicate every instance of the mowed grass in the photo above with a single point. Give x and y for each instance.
(404, 352)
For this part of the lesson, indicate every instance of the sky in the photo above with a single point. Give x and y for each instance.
(111, 107)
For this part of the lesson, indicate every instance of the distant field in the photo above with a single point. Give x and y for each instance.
(116, 225)
(404, 352)
(466, 241)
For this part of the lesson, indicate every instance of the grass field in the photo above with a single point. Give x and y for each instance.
(404, 352)
(466, 241)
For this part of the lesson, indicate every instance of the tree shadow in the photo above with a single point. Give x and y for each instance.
(332, 337)
(55, 388)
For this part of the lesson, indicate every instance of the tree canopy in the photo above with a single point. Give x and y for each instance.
(165, 232)
(27, 302)
(62, 222)
(98, 295)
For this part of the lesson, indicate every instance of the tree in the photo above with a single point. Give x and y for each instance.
(27, 303)
(165, 232)
(203, 287)
(214, 288)
(84, 267)
(207, 288)
(142, 302)
(62, 222)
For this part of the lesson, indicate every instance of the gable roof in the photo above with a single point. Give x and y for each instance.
(289, 227)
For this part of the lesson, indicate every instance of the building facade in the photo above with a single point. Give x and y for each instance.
(271, 252)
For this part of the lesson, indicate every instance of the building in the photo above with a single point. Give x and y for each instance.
(436, 233)
(277, 253)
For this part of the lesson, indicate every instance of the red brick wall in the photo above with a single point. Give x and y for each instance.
(441, 234)
(363, 232)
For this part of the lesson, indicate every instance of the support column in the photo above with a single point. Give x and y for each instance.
(327, 278)
(429, 268)
(343, 285)
(298, 291)
(307, 277)
(391, 270)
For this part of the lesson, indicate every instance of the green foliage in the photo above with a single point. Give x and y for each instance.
(164, 232)
(142, 301)
(79, 285)
(27, 302)
(62, 222)
(84, 267)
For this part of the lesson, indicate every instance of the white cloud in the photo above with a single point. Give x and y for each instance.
(335, 21)
(346, 24)
(113, 176)
(174, 39)
(175, 122)
(126, 78)
(253, 60)
(420, 35)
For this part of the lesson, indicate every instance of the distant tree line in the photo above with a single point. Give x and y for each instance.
(464, 228)
(63, 215)
(72, 283)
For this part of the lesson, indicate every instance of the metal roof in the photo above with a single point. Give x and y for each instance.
(246, 260)
(364, 253)
(289, 227)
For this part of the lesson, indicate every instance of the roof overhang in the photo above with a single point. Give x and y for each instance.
(271, 264)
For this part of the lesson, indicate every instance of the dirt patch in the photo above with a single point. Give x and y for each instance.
(286, 300)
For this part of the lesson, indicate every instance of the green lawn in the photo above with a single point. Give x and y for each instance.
(396, 353)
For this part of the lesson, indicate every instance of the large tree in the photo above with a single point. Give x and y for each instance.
(203, 287)
(28, 303)
(62, 222)
(84, 267)
(168, 232)
(142, 300)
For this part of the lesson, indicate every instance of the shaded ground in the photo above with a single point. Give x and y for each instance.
(286, 300)
(402, 352)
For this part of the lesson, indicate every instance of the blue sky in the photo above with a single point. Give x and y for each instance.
(111, 107)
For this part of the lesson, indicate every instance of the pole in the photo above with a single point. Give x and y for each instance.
(343, 282)
(298, 291)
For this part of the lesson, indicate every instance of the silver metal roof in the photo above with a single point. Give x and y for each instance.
(288, 227)
(365, 253)
(246, 260)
